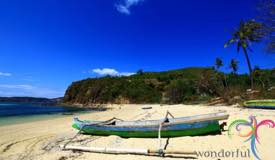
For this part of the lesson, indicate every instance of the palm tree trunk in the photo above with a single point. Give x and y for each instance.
(225, 81)
(249, 67)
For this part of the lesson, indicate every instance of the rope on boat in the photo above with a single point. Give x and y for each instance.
(159, 138)
(100, 123)
(71, 139)
(104, 122)
(161, 148)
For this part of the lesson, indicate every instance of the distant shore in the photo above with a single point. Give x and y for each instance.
(41, 139)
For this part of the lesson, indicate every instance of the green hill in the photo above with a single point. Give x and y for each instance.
(189, 85)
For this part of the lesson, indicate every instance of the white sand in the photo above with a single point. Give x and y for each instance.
(40, 140)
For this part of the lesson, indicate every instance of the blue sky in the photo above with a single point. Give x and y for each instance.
(46, 45)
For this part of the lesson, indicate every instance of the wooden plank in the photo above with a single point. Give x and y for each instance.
(107, 150)
(126, 150)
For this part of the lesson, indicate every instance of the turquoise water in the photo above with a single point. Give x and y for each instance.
(14, 113)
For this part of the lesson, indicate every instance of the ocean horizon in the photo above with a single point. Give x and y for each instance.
(20, 112)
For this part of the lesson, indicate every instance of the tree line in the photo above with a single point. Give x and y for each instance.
(189, 85)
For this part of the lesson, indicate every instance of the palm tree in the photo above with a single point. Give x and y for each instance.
(140, 72)
(266, 15)
(247, 33)
(234, 66)
(218, 63)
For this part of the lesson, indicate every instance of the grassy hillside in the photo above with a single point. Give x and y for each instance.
(189, 85)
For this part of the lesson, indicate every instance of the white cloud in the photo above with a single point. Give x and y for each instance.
(5, 74)
(20, 86)
(111, 72)
(124, 5)
(8, 90)
(126, 73)
(105, 71)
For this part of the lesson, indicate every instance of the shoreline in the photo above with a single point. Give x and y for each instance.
(21, 119)
(14, 120)
(41, 139)
(32, 117)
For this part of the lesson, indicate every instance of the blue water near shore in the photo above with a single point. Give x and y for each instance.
(12, 112)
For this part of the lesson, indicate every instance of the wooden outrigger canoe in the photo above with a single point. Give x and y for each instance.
(167, 127)
(260, 104)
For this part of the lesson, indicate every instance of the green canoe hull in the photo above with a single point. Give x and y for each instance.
(213, 128)
(264, 104)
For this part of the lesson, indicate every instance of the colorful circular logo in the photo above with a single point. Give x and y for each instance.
(252, 135)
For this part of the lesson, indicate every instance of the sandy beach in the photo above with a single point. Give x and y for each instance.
(41, 139)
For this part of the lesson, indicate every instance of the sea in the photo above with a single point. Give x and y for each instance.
(15, 112)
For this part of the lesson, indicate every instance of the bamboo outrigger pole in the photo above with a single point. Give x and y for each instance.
(126, 150)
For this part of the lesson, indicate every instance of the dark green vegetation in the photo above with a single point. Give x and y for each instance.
(189, 85)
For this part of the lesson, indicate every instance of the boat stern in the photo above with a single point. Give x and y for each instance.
(77, 124)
